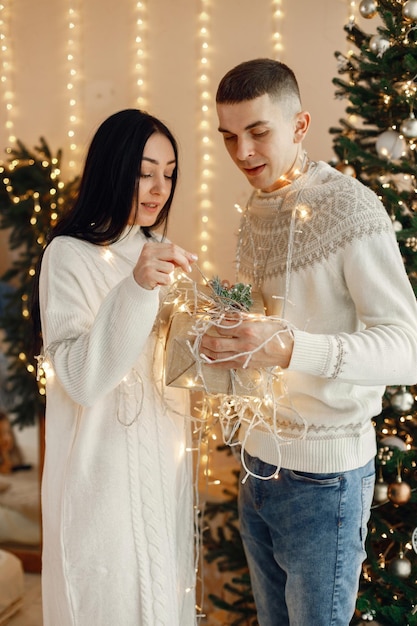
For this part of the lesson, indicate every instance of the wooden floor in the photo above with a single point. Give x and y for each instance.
(31, 612)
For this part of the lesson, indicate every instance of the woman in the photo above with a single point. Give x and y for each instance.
(116, 491)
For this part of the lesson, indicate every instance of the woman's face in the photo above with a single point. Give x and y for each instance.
(155, 180)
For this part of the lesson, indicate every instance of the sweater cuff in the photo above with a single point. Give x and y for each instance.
(133, 289)
(313, 354)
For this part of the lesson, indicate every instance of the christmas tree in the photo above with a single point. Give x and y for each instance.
(377, 144)
(32, 194)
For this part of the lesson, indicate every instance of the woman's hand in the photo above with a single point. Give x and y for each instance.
(157, 261)
(269, 341)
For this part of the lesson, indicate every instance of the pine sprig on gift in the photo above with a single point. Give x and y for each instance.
(238, 295)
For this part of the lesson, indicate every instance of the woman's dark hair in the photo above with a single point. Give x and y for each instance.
(108, 189)
(110, 180)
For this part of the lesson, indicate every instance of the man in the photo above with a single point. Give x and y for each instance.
(340, 326)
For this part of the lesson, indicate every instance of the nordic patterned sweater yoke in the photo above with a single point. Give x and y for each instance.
(324, 254)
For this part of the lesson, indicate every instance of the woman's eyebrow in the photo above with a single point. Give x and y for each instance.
(155, 161)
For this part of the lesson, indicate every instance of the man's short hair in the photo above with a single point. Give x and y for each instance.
(252, 79)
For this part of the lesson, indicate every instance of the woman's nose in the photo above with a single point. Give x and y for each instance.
(160, 185)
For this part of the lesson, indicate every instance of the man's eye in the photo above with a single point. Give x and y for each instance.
(229, 137)
(260, 134)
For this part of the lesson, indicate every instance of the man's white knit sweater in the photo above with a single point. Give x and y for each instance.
(324, 253)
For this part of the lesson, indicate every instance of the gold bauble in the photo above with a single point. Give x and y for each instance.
(346, 169)
(379, 44)
(399, 492)
(368, 8)
(410, 10)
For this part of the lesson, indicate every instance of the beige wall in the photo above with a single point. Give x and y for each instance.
(312, 30)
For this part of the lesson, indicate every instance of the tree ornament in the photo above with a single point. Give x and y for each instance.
(409, 126)
(394, 442)
(414, 540)
(385, 454)
(346, 169)
(368, 619)
(399, 492)
(391, 145)
(368, 8)
(410, 10)
(379, 44)
(400, 566)
(381, 491)
(402, 401)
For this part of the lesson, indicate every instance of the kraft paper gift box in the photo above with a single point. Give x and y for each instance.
(181, 367)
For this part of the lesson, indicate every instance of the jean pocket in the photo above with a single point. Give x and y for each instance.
(316, 478)
(368, 486)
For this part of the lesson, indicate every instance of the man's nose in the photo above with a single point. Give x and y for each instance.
(244, 149)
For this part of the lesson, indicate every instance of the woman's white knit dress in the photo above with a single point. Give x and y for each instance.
(117, 486)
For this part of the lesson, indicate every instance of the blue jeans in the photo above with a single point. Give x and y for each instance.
(304, 539)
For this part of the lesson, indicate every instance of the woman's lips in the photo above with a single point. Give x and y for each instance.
(150, 206)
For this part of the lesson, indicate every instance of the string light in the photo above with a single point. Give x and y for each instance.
(205, 111)
(6, 71)
(73, 89)
(352, 17)
(277, 16)
(352, 11)
(140, 54)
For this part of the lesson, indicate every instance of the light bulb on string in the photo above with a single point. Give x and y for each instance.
(277, 17)
(73, 82)
(6, 74)
(140, 56)
(205, 138)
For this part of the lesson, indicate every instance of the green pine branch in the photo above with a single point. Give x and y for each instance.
(32, 195)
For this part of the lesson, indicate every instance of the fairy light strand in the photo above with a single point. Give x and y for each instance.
(205, 205)
(73, 81)
(140, 55)
(205, 140)
(6, 74)
(277, 16)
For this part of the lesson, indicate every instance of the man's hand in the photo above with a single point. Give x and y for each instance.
(268, 341)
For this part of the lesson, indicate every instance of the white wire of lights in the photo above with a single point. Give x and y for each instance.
(140, 54)
(73, 82)
(206, 99)
(6, 71)
(277, 16)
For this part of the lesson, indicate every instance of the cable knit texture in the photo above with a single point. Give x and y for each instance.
(343, 286)
(117, 484)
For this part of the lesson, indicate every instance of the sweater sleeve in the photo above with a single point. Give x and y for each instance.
(91, 338)
(383, 351)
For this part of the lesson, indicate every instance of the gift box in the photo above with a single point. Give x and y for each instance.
(192, 313)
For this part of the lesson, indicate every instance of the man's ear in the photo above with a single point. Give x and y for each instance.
(302, 123)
